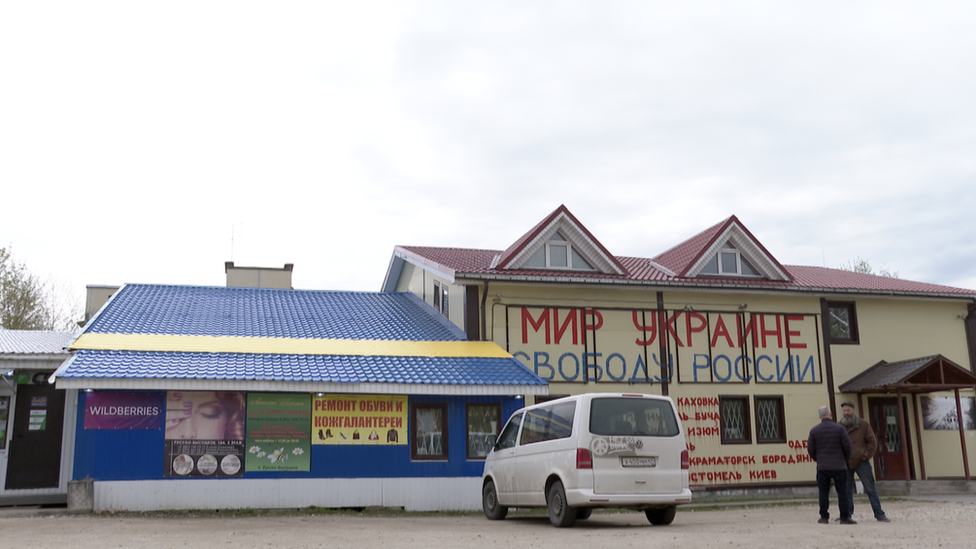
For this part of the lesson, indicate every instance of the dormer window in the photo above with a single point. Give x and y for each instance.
(557, 253)
(729, 262)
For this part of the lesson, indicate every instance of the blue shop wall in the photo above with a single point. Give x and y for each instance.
(138, 454)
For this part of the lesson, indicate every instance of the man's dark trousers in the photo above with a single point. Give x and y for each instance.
(840, 485)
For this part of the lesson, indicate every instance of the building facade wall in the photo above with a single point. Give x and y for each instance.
(128, 465)
(787, 344)
(427, 285)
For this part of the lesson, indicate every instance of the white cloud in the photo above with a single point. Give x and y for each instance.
(134, 138)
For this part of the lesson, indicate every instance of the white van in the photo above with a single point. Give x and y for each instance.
(583, 452)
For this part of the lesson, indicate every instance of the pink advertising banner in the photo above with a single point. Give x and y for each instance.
(111, 410)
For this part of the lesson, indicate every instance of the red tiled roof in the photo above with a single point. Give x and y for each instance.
(670, 268)
(681, 256)
(643, 271)
(514, 249)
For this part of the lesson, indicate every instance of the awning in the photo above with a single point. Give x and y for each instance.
(918, 375)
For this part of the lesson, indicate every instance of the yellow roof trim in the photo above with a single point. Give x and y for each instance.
(287, 346)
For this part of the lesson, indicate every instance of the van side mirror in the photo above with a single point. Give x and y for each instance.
(490, 441)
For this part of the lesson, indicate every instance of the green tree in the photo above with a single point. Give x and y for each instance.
(29, 303)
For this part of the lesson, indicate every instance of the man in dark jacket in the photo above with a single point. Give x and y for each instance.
(830, 446)
(865, 444)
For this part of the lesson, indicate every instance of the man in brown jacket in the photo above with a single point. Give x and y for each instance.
(864, 445)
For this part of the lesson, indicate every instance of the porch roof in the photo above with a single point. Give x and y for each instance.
(918, 375)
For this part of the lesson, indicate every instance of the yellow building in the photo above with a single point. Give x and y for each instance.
(748, 348)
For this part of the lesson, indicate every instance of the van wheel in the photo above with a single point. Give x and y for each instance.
(661, 516)
(561, 515)
(489, 502)
(583, 513)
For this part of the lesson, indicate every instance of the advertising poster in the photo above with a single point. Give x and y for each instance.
(4, 417)
(939, 413)
(359, 419)
(204, 434)
(109, 410)
(279, 432)
(37, 420)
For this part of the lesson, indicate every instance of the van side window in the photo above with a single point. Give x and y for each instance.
(632, 417)
(561, 425)
(548, 423)
(507, 438)
(536, 425)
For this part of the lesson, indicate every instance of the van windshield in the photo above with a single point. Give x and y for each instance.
(625, 416)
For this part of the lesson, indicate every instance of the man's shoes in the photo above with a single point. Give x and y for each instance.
(883, 519)
(848, 521)
(824, 520)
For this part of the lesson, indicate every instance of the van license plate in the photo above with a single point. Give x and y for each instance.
(638, 461)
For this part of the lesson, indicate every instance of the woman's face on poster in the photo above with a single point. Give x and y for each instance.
(195, 415)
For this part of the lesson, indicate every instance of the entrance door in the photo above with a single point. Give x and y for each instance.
(889, 461)
(34, 460)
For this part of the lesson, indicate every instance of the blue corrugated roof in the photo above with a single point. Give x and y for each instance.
(258, 312)
(289, 314)
(89, 364)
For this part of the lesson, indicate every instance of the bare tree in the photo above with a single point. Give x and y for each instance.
(862, 266)
(29, 303)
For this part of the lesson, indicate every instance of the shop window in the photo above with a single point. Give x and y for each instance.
(429, 432)
(842, 322)
(483, 423)
(770, 420)
(734, 419)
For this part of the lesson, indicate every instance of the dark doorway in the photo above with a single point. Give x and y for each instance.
(889, 461)
(34, 460)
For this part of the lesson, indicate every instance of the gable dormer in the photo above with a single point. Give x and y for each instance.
(726, 250)
(559, 243)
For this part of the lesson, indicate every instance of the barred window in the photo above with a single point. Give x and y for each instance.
(484, 421)
(770, 420)
(734, 419)
(429, 430)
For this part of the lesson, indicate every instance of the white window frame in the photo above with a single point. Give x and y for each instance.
(440, 297)
(727, 249)
(565, 243)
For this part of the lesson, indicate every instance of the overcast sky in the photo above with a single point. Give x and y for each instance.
(153, 141)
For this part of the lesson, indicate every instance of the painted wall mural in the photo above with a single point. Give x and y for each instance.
(577, 345)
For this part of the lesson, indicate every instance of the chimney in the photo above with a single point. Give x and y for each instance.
(258, 277)
(96, 297)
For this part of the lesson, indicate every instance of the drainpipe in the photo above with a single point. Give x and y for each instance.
(825, 326)
(662, 349)
(484, 315)
(962, 434)
(970, 323)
